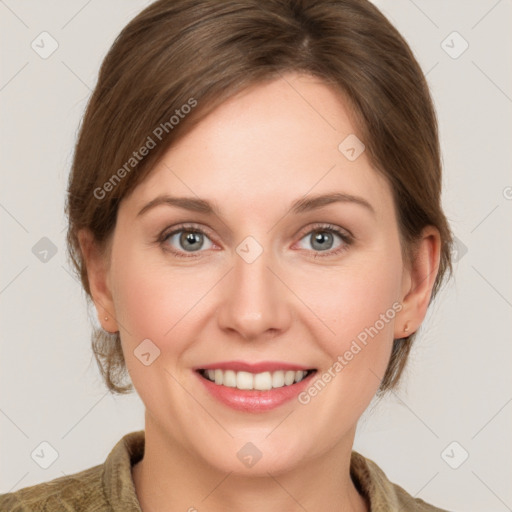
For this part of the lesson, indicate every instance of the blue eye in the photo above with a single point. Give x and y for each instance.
(323, 240)
(186, 240)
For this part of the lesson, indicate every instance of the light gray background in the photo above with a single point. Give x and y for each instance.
(457, 386)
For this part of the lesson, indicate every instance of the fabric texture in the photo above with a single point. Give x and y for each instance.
(109, 487)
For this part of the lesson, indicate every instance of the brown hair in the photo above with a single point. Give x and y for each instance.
(198, 53)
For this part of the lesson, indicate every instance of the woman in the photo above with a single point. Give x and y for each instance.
(254, 210)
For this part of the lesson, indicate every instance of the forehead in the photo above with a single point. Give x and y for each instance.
(268, 145)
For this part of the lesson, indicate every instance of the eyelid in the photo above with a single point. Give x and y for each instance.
(326, 226)
(186, 226)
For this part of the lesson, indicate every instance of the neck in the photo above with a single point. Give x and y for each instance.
(169, 479)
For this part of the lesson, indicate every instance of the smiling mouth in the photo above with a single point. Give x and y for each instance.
(263, 381)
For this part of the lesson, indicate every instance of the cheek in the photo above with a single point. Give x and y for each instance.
(138, 293)
(355, 296)
(153, 303)
(158, 302)
(357, 307)
(150, 304)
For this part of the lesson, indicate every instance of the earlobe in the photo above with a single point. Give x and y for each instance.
(419, 281)
(97, 275)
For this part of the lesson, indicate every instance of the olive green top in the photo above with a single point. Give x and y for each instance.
(109, 487)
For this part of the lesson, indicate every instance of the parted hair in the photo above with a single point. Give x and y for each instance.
(200, 53)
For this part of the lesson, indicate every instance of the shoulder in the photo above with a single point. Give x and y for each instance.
(102, 488)
(380, 492)
(79, 491)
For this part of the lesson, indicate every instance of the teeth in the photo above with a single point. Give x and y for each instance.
(263, 381)
(244, 380)
(259, 381)
(289, 377)
(278, 379)
(229, 379)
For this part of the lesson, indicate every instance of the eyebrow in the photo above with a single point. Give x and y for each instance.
(302, 205)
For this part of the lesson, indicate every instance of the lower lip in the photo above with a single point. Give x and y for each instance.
(254, 400)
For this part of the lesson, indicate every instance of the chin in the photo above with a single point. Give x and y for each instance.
(253, 455)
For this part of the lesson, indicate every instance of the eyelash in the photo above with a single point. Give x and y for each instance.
(347, 239)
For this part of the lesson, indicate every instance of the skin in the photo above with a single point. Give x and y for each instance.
(253, 156)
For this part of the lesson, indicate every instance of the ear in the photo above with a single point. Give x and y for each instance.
(418, 280)
(96, 264)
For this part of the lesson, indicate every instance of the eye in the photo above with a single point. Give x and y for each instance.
(186, 239)
(323, 240)
(326, 239)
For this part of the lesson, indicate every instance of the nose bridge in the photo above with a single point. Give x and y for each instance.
(255, 301)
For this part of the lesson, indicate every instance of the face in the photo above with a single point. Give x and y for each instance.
(267, 283)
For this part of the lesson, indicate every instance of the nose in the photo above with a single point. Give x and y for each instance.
(255, 303)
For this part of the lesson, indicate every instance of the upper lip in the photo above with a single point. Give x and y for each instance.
(263, 366)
